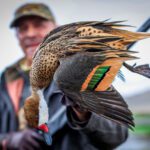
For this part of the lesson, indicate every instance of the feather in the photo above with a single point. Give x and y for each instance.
(111, 107)
(84, 58)
(141, 69)
(121, 76)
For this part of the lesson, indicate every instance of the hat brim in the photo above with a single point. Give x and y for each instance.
(14, 23)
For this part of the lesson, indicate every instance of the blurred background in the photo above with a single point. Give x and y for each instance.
(136, 89)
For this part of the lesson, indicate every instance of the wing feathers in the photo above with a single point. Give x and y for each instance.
(113, 107)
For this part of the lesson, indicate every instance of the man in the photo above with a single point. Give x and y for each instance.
(71, 128)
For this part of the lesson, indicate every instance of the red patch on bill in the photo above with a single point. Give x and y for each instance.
(43, 127)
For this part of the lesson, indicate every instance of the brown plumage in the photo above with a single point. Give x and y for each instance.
(84, 58)
(31, 108)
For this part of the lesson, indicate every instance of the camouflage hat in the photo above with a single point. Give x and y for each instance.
(32, 9)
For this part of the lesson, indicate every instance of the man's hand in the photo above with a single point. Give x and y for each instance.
(23, 140)
(82, 115)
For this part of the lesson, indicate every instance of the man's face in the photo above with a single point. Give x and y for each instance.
(30, 33)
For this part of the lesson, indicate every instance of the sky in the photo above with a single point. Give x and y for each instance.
(135, 12)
